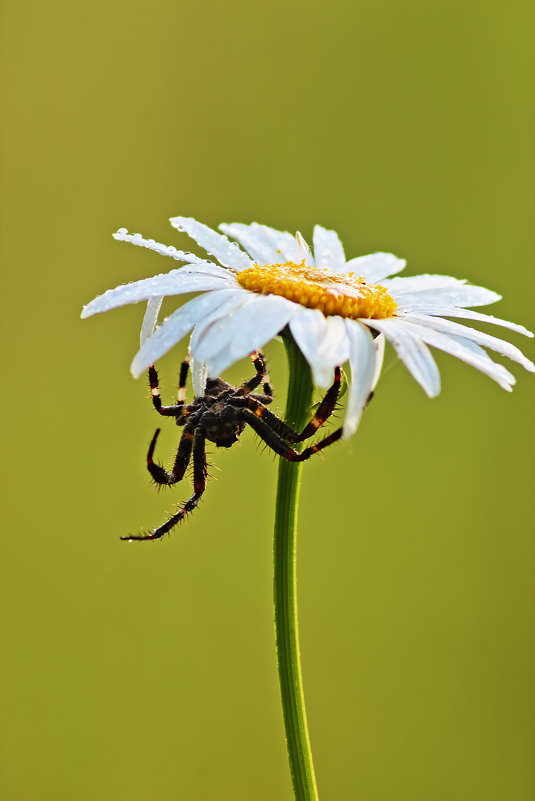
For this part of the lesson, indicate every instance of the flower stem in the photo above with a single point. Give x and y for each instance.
(284, 585)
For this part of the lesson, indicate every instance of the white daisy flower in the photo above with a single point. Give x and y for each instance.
(336, 310)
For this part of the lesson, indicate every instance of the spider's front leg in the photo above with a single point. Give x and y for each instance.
(261, 377)
(266, 432)
(181, 409)
(253, 403)
(325, 409)
(199, 486)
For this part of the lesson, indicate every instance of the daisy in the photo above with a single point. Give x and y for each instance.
(338, 311)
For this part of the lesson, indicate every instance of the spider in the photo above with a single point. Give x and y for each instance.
(220, 416)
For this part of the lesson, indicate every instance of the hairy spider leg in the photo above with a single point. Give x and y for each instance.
(183, 376)
(181, 410)
(262, 376)
(255, 405)
(199, 486)
(158, 473)
(278, 445)
(325, 409)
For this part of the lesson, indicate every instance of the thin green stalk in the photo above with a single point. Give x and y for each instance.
(284, 585)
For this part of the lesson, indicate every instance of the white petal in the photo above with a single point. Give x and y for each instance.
(438, 289)
(177, 282)
(303, 252)
(412, 351)
(328, 250)
(486, 340)
(363, 361)
(206, 339)
(417, 283)
(122, 235)
(208, 268)
(498, 370)
(460, 296)
(462, 349)
(375, 267)
(150, 319)
(308, 328)
(173, 329)
(227, 253)
(322, 341)
(433, 310)
(282, 241)
(199, 375)
(379, 343)
(252, 326)
(254, 242)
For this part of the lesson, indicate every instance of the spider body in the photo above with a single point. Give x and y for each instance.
(220, 416)
(218, 420)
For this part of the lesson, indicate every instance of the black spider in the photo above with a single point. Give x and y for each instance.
(220, 416)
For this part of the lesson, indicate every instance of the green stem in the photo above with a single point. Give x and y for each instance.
(284, 585)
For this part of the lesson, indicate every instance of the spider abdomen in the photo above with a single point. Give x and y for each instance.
(221, 424)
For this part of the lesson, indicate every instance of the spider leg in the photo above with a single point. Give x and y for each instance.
(253, 403)
(282, 448)
(325, 409)
(261, 377)
(199, 486)
(184, 367)
(261, 398)
(158, 473)
(181, 410)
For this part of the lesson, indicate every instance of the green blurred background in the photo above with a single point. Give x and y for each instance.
(148, 671)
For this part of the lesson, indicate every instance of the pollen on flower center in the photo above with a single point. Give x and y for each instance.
(318, 288)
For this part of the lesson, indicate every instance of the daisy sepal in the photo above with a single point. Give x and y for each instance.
(328, 250)
(252, 326)
(363, 356)
(485, 340)
(173, 329)
(177, 282)
(375, 267)
(412, 351)
(226, 252)
(456, 346)
(323, 342)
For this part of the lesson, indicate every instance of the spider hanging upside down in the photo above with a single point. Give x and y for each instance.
(220, 416)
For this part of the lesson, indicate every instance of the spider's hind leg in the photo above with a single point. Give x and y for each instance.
(158, 473)
(199, 486)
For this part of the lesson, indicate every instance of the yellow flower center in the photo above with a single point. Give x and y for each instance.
(317, 288)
